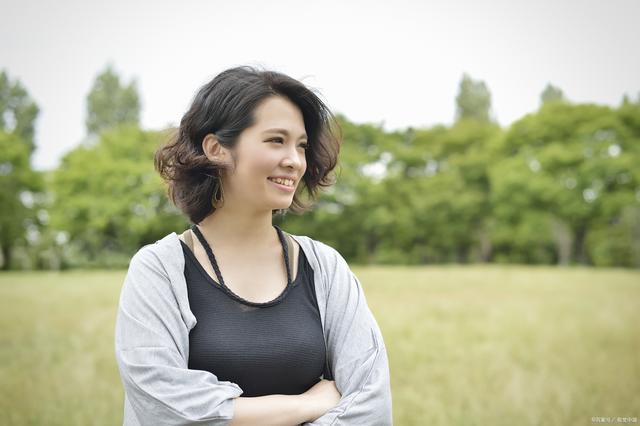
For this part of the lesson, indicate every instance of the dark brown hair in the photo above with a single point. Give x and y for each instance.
(225, 107)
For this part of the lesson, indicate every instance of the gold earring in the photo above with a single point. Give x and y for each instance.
(216, 201)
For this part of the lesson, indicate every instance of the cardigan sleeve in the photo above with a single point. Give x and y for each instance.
(151, 347)
(356, 351)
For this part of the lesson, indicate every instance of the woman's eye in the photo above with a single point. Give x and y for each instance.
(280, 140)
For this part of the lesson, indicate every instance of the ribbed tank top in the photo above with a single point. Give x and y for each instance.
(275, 347)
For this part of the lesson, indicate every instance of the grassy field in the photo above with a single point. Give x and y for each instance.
(478, 345)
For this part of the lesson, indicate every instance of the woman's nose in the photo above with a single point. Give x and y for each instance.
(293, 159)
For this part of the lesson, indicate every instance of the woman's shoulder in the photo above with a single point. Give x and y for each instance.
(159, 254)
(158, 269)
(324, 252)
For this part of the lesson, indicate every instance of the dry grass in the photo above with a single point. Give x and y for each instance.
(479, 345)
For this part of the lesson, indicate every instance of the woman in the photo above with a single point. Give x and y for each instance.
(235, 306)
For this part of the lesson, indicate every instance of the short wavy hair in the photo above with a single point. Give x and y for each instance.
(226, 106)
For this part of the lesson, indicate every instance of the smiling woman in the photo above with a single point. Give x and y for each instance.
(224, 114)
(277, 318)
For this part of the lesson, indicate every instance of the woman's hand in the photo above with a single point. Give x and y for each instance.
(278, 410)
(322, 397)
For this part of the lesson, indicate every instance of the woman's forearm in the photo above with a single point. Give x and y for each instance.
(272, 410)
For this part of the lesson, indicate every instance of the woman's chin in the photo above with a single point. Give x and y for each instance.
(282, 205)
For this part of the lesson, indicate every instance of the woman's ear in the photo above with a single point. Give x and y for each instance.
(213, 149)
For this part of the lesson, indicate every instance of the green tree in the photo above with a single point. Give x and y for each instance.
(629, 114)
(109, 199)
(449, 190)
(111, 103)
(572, 168)
(473, 100)
(19, 185)
(18, 112)
(551, 93)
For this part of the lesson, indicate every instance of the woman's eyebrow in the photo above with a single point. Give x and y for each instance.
(284, 132)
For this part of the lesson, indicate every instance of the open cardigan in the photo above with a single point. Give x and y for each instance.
(152, 344)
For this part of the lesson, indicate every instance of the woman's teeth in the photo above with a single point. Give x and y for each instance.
(287, 182)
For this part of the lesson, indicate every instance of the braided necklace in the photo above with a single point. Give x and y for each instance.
(214, 263)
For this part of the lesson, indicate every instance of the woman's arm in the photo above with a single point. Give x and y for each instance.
(150, 341)
(356, 351)
(286, 410)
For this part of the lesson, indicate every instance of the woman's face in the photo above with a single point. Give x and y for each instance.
(273, 147)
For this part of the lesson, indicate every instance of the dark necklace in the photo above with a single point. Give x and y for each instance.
(214, 264)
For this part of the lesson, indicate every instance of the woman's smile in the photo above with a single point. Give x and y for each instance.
(282, 186)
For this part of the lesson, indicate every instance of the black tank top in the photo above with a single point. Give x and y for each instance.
(268, 348)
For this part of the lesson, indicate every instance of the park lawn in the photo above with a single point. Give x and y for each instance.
(473, 345)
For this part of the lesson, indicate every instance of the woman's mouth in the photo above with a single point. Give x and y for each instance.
(282, 184)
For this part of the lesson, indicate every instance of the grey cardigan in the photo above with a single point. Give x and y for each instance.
(152, 344)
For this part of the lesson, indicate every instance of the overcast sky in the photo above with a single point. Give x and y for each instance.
(395, 62)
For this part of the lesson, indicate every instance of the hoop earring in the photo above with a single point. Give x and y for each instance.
(217, 201)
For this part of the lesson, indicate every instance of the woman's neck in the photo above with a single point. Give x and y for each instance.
(239, 231)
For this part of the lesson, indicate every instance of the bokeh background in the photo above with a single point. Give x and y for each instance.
(487, 196)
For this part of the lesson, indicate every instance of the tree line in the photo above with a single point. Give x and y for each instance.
(561, 185)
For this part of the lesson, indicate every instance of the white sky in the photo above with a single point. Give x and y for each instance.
(395, 62)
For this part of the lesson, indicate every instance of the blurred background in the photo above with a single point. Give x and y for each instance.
(487, 196)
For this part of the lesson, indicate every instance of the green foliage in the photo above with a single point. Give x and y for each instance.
(560, 185)
(629, 114)
(408, 197)
(616, 243)
(109, 199)
(111, 103)
(551, 93)
(574, 163)
(18, 112)
(19, 186)
(473, 100)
